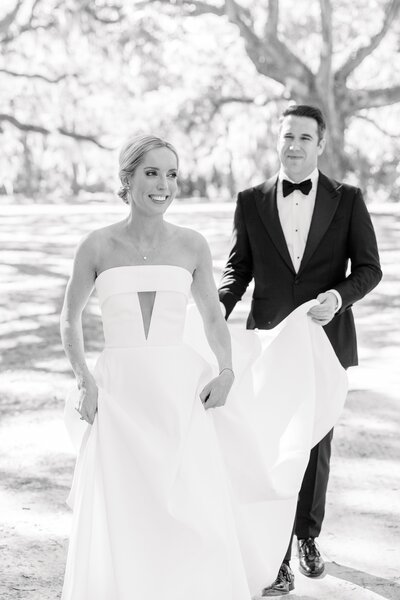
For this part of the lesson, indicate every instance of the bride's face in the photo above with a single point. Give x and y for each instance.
(154, 183)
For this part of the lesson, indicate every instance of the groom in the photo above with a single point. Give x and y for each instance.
(295, 235)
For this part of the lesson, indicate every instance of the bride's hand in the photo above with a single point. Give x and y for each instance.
(215, 393)
(87, 400)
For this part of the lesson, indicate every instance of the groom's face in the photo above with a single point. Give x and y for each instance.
(299, 146)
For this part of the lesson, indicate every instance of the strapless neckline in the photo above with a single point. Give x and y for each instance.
(160, 320)
(145, 267)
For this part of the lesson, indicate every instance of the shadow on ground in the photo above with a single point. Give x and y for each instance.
(379, 585)
(37, 250)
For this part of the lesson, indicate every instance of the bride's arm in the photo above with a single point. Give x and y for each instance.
(77, 293)
(206, 297)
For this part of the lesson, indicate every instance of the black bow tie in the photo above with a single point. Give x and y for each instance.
(288, 187)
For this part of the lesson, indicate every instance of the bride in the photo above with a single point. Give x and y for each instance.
(171, 499)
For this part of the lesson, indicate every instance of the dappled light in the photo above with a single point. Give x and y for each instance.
(37, 459)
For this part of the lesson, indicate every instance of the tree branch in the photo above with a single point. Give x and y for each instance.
(193, 7)
(44, 131)
(326, 33)
(257, 101)
(10, 17)
(379, 128)
(271, 27)
(360, 99)
(235, 12)
(29, 25)
(229, 99)
(93, 12)
(37, 76)
(271, 56)
(201, 8)
(357, 57)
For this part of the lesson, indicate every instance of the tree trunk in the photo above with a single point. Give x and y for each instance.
(334, 161)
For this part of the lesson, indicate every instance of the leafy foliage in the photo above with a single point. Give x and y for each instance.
(77, 77)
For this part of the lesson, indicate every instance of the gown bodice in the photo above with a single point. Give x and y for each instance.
(118, 290)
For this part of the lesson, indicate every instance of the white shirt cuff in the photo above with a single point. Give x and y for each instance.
(338, 299)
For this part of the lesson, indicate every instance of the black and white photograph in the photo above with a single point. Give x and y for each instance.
(199, 317)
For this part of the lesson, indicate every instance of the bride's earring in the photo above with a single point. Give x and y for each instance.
(127, 188)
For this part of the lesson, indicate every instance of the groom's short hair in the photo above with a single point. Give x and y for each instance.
(304, 110)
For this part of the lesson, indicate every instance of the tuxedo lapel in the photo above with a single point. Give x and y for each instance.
(268, 211)
(326, 202)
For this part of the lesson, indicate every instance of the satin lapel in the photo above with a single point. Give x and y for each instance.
(268, 211)
(326, 203)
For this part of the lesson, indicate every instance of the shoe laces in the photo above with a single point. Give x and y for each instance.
(309, 548)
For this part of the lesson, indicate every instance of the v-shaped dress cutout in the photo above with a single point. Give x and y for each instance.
(146, 303)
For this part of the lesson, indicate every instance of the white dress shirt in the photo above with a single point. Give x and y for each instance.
(295, 214)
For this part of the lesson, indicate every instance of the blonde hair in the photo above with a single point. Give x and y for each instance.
(131, 155)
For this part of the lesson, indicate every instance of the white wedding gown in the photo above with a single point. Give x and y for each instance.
(171, 501)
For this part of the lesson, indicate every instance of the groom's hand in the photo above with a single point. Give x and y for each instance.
(324, 312)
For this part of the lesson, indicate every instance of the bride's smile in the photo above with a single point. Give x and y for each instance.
(158, 199)
(154, 182)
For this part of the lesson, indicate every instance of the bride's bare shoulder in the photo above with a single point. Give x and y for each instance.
(104, 235)
(93, 244)
(189, 238)
(191, 248)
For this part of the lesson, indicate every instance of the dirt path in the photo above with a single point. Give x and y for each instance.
(361, 534)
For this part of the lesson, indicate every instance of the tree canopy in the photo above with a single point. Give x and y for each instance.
(78, 76)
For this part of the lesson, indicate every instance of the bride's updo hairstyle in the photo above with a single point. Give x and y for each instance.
(131, 155)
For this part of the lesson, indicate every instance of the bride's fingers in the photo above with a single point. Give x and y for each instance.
(79, 411)
(207, 401)
(88, 418)
(86, 414)
(205, 393)
(210, 402)
(215, 401)
(90, 415)
(210, 399)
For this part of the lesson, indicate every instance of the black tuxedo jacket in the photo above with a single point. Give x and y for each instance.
(341, 235)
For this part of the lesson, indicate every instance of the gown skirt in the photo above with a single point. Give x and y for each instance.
(172, 501)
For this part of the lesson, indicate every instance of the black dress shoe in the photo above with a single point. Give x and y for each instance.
(283, 584)
(311, 562)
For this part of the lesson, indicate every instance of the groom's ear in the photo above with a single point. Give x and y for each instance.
(321, 145)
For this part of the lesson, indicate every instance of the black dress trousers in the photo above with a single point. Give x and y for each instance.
(311, 502)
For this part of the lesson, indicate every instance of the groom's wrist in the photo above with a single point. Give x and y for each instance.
(338, 299)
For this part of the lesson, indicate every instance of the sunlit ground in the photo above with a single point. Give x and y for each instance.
(361, 533)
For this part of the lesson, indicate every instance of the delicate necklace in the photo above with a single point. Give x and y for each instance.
(143, 253)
